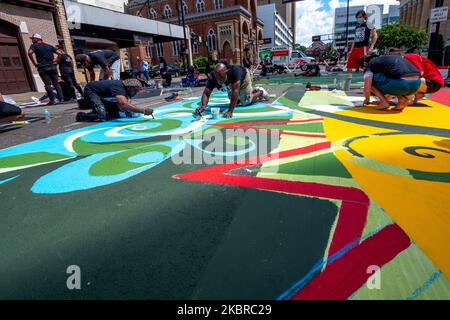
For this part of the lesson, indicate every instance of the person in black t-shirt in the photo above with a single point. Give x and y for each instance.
(108, 60)
(390, 76)
(237, 81)
(66, 69)
(363, 31)
(45, 64)
(116, 92)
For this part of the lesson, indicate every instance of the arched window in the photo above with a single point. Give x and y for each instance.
(211, 38)
(218, 4)
(200, 5)
(167, 11)
(152, 13)
(185, 8)
(194, 44)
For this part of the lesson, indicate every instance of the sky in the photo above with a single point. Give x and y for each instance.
(316, 17)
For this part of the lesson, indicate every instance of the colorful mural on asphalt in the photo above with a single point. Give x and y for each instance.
(373, 188)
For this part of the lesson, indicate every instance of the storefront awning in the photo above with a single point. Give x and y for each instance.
(116, 26)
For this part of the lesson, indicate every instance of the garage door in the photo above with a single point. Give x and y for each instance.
(13, 78)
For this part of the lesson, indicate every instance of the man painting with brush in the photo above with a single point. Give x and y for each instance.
(237, 81)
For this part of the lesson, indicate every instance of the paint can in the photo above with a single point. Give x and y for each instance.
(215, 112)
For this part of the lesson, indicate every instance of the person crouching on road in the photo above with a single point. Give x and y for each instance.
(237, 81)
(390, 75)
(433, 78)
(118, 92)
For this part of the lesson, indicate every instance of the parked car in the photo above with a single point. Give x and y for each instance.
(301, 55)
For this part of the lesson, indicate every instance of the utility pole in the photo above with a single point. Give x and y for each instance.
(346, 31)
(180, 44)
(184, 30)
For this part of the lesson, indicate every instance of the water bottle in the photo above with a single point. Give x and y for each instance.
(47, 116)
(190, 92)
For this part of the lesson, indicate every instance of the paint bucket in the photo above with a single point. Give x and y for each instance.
(215, 112)
(348, 82)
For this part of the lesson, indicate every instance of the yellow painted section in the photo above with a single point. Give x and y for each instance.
(390, 150)
(435, 116)
(421, 208)
(337, 130)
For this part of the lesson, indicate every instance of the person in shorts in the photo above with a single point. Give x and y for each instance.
(360, 48)
(108, 60)
(390, 75)
(237, 81)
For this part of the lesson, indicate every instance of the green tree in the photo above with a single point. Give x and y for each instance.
(399, 35)
(330, 52)
(300, 47)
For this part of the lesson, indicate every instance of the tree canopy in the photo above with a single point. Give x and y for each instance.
(399, 35)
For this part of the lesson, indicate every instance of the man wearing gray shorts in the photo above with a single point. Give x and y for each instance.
(108, 60)
(237, 81)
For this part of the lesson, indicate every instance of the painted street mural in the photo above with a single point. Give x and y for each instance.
(309, 198)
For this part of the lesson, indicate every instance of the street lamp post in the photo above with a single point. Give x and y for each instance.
(346, 32)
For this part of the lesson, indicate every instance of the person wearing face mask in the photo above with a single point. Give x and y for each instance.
(360, 48)
(237, 81)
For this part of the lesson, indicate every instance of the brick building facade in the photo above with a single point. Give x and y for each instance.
(18, 21)
(224, 28)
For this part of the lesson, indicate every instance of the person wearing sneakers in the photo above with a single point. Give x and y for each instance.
(117, 93)
(390, 75)
(42, 56)
(67, 71)
(237, 81)
(360, 48)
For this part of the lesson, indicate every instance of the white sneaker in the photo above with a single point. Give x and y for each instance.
(265, 95)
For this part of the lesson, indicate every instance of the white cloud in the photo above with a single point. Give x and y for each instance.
(313, 18)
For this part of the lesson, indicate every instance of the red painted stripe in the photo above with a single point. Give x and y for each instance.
(353, 212)
(347, 274)
(442, 97)
(350, 225)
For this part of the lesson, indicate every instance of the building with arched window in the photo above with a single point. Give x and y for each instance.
(220, 28)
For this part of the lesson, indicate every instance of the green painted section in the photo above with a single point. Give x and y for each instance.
(314, 127)
(252, 110)
(30, 159)
(165, 124)
(321, 165)
(430, 176)
(84, 148)
(401, 277)
(118, 163)
(238, 141)
(323, 98)
(376, 219)
(254, 119)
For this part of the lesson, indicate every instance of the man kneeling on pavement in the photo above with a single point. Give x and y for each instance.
(237, 81)
(117, 93)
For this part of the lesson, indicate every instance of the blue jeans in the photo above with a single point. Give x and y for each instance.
(395, 87)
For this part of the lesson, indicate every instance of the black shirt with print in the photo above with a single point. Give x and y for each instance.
(234, 73)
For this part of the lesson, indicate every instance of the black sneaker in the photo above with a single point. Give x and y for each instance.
(171, 97)
(80, 117)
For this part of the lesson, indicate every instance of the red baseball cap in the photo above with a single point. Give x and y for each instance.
(36, 36)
